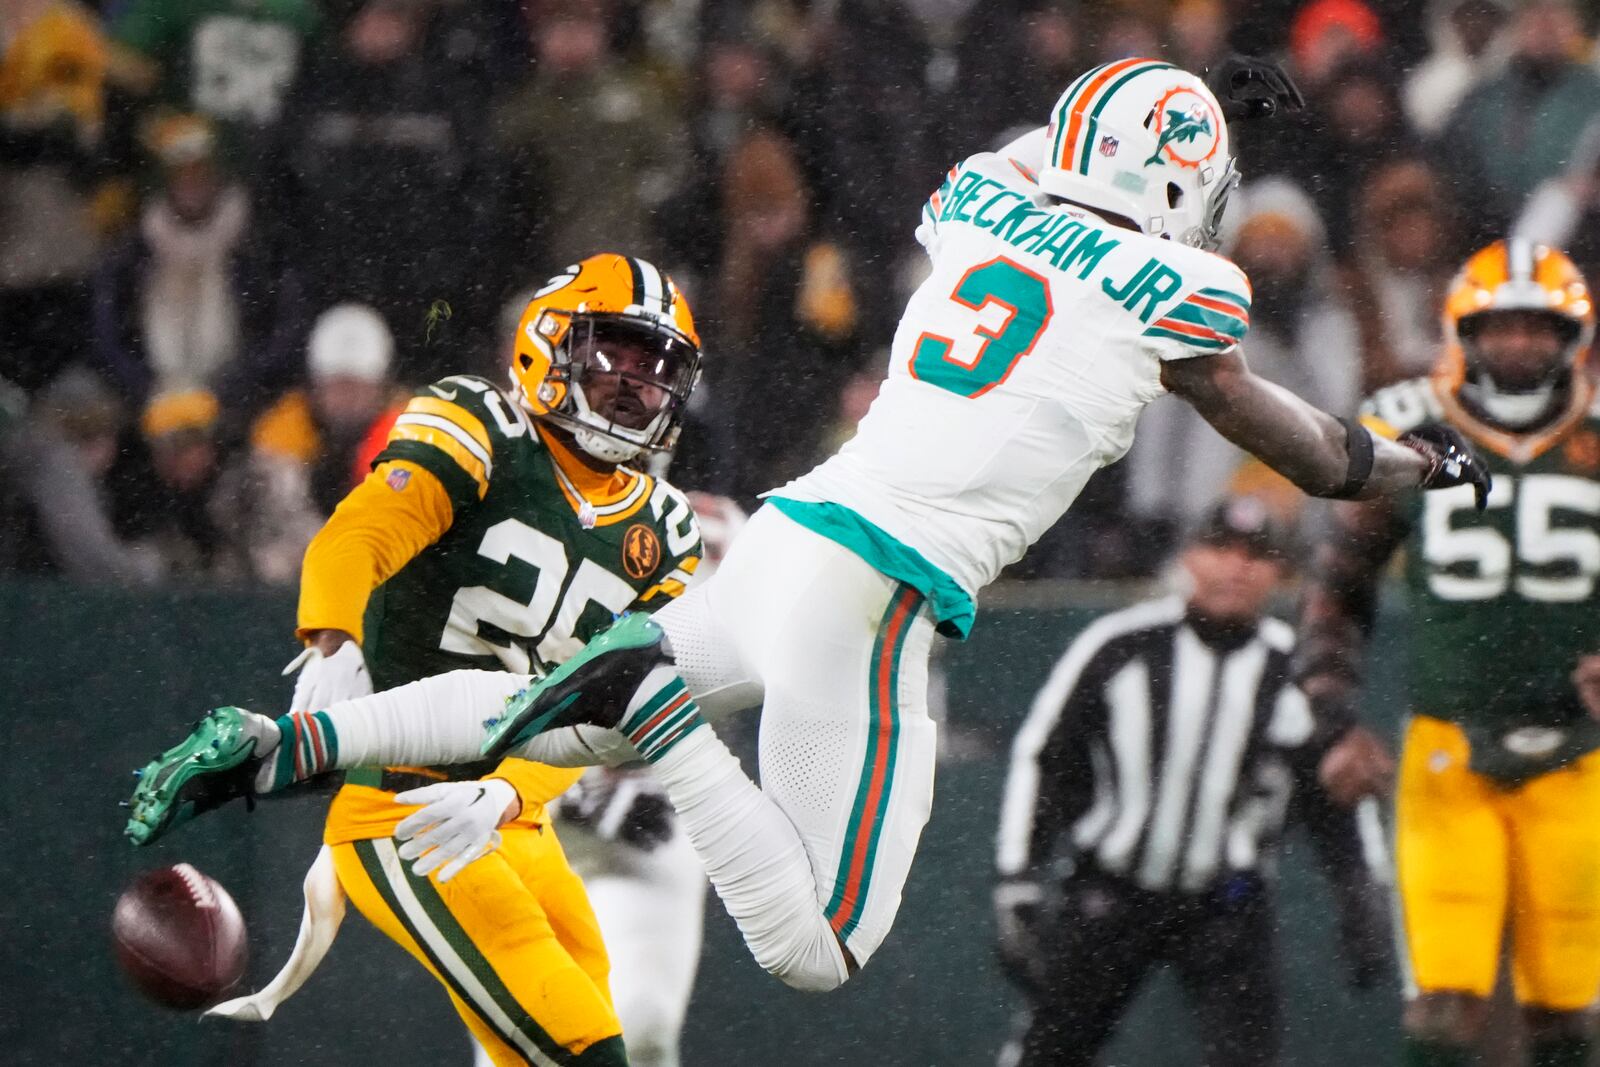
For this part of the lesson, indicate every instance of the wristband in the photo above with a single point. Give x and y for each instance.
(1358, 443)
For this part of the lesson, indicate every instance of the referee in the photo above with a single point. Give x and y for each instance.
(1146, 788)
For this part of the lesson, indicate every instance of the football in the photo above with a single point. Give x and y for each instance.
(179, 937)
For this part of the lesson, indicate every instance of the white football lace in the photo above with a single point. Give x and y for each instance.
(199, 889)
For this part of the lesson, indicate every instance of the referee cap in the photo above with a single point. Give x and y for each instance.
(1246, 522)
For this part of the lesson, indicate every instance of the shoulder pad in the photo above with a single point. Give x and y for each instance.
(502, 417)
(454, 428)
(1404, 405)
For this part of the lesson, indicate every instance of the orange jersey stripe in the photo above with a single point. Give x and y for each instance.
(1223, 306)
(884, 681)
(1075, 122)
(1191, 330)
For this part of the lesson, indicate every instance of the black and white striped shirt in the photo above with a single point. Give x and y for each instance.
(1165, 748)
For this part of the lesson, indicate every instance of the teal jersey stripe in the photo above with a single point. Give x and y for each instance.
(1105, 98)
(668, 693)
(894, 751)
(1230, 297)
(671, 723)
(1230, 325)
(670, 743)
(860, 815)
(952, 606)
(1192, 342)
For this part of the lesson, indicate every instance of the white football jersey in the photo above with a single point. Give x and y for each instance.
(1020, 365)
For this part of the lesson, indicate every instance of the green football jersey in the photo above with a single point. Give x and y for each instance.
(1504, 602)
(528, 570)
(232, 60)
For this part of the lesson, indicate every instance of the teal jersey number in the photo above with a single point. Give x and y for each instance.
(1026, 298)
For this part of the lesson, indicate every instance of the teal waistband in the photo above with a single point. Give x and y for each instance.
(953, 609)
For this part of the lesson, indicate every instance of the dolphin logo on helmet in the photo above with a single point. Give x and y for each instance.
(1176, 180)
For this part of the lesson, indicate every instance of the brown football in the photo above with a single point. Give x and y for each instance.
(180, 938)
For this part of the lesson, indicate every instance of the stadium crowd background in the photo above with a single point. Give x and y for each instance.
(188, 188)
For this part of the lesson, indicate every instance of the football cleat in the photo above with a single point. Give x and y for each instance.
(592, 688)
(214, 764)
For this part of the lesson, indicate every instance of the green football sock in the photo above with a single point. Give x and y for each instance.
(1418, 1052)
(1560, 1052)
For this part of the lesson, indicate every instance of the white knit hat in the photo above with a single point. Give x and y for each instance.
(351, 341)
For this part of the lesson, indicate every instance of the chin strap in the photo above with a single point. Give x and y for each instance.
(603, 447)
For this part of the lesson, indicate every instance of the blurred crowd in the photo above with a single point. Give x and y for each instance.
(234, 233)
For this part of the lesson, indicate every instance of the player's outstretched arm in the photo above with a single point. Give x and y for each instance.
(1322, 455)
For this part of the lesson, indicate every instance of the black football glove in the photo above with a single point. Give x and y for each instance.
(1452, 459)
(1251, 88)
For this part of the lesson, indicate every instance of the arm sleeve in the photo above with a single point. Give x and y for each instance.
(399, 510)
(536, 784)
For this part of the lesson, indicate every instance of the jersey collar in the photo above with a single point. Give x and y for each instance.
(604, 498)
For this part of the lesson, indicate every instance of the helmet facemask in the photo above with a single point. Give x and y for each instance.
(1208, 234)
(1517, 397)
(623, 382)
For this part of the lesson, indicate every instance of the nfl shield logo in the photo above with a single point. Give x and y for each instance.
(1108, 145)
(398, 479)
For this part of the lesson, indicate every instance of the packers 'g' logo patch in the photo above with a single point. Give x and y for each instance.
(641, 551)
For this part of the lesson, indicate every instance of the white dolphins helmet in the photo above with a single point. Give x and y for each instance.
(1146, 140)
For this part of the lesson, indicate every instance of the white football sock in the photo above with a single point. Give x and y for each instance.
(754, 856)
(438, 720)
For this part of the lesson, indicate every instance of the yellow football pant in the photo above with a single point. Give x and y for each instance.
(512, 938)
(1467, 849)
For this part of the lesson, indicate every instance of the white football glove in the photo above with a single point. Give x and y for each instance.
(326, 680)
(460, 823)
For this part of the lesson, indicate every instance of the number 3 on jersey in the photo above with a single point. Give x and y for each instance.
(1025, 298)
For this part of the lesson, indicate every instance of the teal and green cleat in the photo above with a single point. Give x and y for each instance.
(210, 767)
(593, 687)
